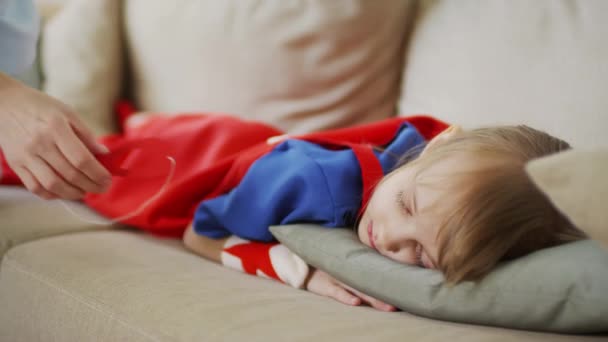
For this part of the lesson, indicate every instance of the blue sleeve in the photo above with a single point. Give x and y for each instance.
(18, 35)
(284, 186)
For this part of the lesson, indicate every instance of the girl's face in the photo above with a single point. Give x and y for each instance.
(401, 220)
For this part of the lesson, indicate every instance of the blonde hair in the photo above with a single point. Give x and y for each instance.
(500, 213)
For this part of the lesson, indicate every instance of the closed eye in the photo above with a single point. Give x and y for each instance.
(419, 256)
(402, 204)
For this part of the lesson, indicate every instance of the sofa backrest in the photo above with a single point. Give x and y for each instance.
(299, 65)
(305, 65)
(543, 63)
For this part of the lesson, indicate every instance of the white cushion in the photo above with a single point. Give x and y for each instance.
(300, 65)
(543, 63)
(576, 183)
(82, 59)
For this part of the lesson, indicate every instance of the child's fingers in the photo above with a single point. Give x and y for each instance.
(323, 284)
(342, 295)
(373, 302)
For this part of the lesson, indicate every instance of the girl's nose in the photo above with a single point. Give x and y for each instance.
(400, 245)
(390, 239)
(395, 241)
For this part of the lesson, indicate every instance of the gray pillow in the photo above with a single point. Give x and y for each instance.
(561, 289)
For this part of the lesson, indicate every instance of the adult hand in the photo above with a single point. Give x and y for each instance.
(323, 284)
(46, 144)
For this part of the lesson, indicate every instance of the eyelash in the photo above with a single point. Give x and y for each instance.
(419, 257)
(402, 204)
(405, 208)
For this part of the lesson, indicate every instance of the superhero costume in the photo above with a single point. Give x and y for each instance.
(231, 180)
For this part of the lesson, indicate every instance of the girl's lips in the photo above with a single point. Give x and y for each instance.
(370, 234)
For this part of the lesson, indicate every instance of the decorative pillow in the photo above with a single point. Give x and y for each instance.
(576, 181)
(560, 289)
(82, 59)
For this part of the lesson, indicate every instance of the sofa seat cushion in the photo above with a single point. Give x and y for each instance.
(120, 285)
(25, 217)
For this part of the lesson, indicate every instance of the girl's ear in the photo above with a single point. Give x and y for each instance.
(442, 137)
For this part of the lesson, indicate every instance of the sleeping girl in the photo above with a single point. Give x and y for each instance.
(415, 190)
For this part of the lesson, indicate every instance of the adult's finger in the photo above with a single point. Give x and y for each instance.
(58, 162)
(80, 156)
(85, 135)
(50, 180)
(30, 183)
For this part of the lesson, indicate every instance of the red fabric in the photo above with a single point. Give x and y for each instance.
(255, 256)
(213, 153)
(371, 172)
(7, 175)
(124, 109)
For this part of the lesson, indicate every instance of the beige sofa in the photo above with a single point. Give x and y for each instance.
(301, 65)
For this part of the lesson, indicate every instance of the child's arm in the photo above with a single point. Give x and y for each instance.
(274, 260)
(325, 285)
(206, 247)
(265, 259)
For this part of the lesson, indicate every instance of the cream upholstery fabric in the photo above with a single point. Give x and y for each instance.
(300, 65)
(118, 286)
(577, 183)
(304, 65)
(82, 59)
(24, 217)
(48, 8)
(542, 62)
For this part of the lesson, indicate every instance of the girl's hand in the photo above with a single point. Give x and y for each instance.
(323, 284)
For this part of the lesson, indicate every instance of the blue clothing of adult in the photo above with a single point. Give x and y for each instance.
(19, 25)
(298, 181)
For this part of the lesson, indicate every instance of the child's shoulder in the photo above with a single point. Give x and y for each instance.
(336, 170)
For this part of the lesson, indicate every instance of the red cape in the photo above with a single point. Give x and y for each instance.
(212, 154)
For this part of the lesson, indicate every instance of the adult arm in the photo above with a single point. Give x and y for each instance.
(46, 144)
(43, 141)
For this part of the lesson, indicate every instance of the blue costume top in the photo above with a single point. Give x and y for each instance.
(298, 181)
